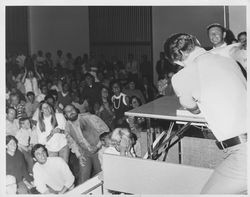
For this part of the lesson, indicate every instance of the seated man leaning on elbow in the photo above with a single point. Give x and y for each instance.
(51, 174)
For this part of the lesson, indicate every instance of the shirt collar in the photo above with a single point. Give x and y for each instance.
(194, 54)
(223, 45)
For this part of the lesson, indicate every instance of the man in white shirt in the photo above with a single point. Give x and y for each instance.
(216, 34)
(51, 174)
(214, 85)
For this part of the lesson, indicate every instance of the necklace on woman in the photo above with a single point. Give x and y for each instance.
(119, 102)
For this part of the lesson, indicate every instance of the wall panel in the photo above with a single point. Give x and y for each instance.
(119, 30)
(16, 29)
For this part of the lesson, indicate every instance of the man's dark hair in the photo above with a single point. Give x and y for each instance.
(104, 135)
(10, 137)
(177, 43)
(37, 146)
(223, 29)
(30, 94)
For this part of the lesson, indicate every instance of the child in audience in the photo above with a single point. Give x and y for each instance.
(12, 123)
(105, 142)
(26, 139)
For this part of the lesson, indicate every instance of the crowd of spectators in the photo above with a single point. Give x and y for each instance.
(39, 93)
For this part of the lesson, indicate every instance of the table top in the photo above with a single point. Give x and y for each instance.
(163, 108)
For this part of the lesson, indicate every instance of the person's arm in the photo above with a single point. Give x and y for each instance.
(99, 125)
(74, 147)
(24, 76)
(189, 103)
(37, 73)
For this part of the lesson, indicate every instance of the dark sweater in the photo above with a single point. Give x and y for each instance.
(17, 167)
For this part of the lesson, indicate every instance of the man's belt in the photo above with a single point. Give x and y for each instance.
(232, 141)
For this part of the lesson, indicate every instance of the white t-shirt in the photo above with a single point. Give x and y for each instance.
(58, 140)
(220, 89)
(55, 173)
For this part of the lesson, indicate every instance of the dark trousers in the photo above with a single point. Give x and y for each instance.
(91, 168)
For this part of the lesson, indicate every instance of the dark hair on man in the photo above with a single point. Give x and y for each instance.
(104, 135)
(138, 100)
(223, 29)
(22, 119)
(10, 137)
(30, 93)
(241, 34)
(178, 43)
(37, 146)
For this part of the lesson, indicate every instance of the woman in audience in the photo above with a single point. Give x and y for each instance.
(120, 103)
(132, 91)
(12, 124)
(50, 128)
(164, 85)
(16, 166)
(106, 111)
(30, 81)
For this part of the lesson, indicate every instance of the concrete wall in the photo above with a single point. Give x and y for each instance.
(54, 27)
(237, 19)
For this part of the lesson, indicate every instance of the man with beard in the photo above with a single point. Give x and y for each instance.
(83, 132)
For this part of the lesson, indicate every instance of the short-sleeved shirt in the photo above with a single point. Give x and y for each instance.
(219, 88)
